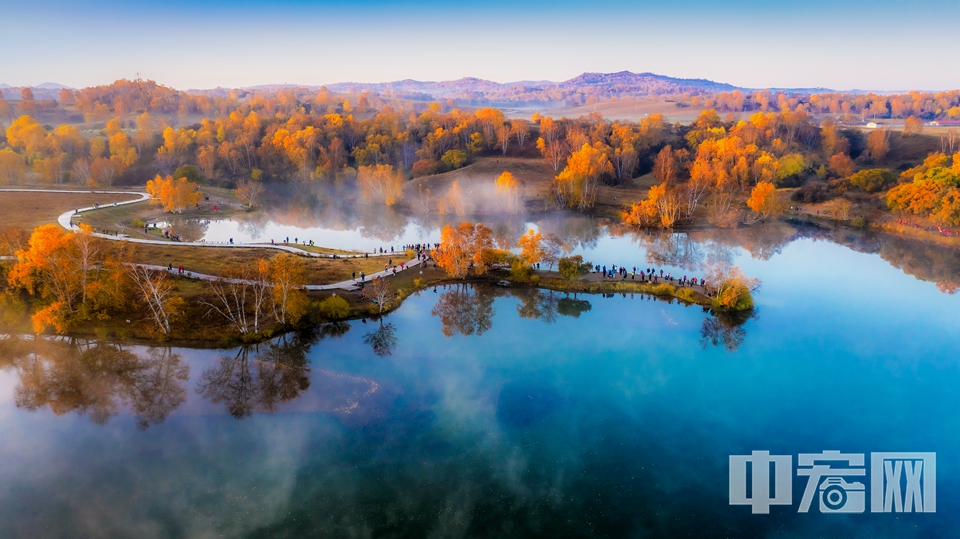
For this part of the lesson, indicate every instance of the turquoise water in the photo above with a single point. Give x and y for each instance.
(485, 412)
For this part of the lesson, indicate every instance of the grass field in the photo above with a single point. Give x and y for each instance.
(30, 210)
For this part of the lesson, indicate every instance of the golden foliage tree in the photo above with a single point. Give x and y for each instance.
(47, 268)
(765, 200)
(380, 183)
(507, 188)
(175, 195)
(531, 247)
(455, 199)
(288, 275)
(878, 144)
(578, 183)
(465, 245)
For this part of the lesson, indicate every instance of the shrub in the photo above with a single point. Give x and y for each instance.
(573, 267)
(811, 193)
(873, 179)
(520, 270)
(425, 167)
(138, 223)
(454, 158)
(334, 308)
(859, 222)
(190, 172)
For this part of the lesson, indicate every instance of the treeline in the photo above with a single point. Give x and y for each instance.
(292, 135)
(729, 172)
(849, 106)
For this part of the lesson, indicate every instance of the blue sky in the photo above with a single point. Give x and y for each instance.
(880, 44)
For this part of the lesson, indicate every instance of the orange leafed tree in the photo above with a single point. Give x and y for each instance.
(508, 190)
(455, 253)
(380, 183)
(878, 145)
(765, 200)
(48, 268)
(175, 195)
(578, 183)
(455, 199)
(464, 245)
(531, 247)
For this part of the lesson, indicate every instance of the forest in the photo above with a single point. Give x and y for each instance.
(727, 171)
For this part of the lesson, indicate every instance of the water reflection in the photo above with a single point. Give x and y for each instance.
(726, 330)
(333, 217)
(465, 310)
(258, 378)
(95, 378)
(383, 339)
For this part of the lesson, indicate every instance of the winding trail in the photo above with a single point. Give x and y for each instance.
(66, 221)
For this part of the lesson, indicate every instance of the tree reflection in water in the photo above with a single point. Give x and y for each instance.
(469, 310)
(725, 329)
(95, 378)
(382, 340)
(465, 310)
(260, 377)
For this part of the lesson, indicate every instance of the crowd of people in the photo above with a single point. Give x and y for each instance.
(648, 274)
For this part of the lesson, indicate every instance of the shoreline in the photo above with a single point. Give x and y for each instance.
(662, 291)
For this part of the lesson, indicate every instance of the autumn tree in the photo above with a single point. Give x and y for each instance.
(454, 198)
(878, 145)
(464, 246)
(382, 293)
(156, 290)
(237, 297)
(553, 247)
(531, 247)
(504, 133)
(507, 188)
(765, 201)
(380, 183)
(730, 288)
(912, 126)
(578, 183)
(26, 134)
(248, 192)
(841, 165)
(521, 130)
(47, 268)
(175, 195)
(872, 180)
(288, 276)
(665, 167)
(553, 151)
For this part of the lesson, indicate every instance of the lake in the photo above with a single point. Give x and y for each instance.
(475, 411)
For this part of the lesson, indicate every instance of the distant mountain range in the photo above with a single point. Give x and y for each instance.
(577, 89)
(588, 87)
(44, 86)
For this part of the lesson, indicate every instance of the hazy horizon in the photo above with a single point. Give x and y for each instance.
(843, 46)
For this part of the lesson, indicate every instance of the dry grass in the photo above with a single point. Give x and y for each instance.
(30, 210)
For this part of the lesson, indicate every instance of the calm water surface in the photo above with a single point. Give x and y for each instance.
(484, 412)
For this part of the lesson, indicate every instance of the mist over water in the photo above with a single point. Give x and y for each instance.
(483, 411)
